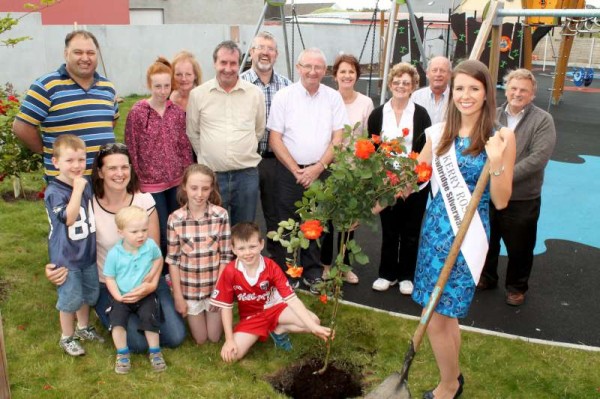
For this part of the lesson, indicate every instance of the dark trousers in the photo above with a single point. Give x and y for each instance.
(268, 199)
(289, 193)
(516, 225)
(166, 203)
(400, 229)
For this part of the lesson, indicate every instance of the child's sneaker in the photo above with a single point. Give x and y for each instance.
(282, 341)
(71, 346)
(123, 364)
(157, 361)
(88, 333)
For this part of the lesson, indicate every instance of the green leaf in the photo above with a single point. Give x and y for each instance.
(361, 258)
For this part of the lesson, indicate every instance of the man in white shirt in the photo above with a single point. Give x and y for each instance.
(434, 98)
(306, 120)
(225, 120)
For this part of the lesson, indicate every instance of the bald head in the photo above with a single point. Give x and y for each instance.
(439, 71)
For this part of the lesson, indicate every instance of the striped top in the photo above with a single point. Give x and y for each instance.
(58, 105)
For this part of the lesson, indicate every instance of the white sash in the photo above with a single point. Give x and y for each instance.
(455, 192)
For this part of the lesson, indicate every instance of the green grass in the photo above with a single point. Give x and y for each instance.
(493, 367)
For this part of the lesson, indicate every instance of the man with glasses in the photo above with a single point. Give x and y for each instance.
(434, 98)
(305, 122)
(74, 99)
(264, 55)
(225, 121)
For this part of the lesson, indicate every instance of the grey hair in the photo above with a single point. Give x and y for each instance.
(312, 50)
(264, 35)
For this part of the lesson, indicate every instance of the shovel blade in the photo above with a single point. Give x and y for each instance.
(393, 387)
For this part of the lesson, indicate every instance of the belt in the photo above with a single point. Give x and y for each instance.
(268, 154)
(306, 166)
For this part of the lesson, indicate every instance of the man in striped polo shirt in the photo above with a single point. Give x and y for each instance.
(74, 99)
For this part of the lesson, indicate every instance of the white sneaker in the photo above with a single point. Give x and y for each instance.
(382, 284)
(406, 287)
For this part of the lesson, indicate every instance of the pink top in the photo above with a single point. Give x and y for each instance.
(359, 111)
(159, 147)
(106, 228)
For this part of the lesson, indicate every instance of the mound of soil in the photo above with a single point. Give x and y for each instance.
(26, 195)
(299, 381)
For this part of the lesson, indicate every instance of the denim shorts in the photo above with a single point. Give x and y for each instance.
(81, 287)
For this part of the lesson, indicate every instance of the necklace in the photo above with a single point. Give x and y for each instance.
(462, 141)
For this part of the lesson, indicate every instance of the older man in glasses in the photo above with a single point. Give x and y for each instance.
(306, 120)
(74, 99)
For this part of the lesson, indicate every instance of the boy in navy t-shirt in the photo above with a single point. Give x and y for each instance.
(72, 242)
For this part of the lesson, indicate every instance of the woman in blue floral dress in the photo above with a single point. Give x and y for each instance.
(465, 141)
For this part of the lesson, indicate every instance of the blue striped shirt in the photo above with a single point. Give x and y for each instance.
(58, 105)
(277, 82)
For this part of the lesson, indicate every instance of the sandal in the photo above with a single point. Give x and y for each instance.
(350, 278)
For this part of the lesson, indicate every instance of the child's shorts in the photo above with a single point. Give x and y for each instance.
(194, 308)
(81, 286)
(262, 323)
(146, 309)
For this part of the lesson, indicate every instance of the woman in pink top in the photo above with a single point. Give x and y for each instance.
(346, 71)
(159, 148)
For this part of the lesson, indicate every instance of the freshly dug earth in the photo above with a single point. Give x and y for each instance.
(27, 195)
(299, 381)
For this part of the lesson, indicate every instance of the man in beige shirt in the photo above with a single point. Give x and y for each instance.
(225, 121)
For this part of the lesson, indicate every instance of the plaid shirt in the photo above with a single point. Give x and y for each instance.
(198, 247)
(277, 83)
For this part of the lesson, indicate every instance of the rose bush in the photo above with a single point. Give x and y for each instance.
(365, 171)
(15, 158)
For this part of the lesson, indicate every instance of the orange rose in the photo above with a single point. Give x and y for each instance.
(413, 155)
(363, 148)
(386, 149)
(423, 171)
(312, 229)
(376, 139)
(323, 298)
(394, 180)
(396, 147)
(294, 271)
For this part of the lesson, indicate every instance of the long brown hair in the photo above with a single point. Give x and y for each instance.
(486, 122)
(215, 195)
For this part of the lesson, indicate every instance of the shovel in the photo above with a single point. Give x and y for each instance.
(396, 385)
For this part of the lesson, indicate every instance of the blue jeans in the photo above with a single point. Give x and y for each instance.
(239, 193)
(166, 203)
(172, 326)
(81, 287)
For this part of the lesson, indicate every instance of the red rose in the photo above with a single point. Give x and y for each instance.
(423, 171)
(13, 99)
(376, 139)
(2, 110)
(364, 148)
(2, 176)
(405, 132)
(41, 194)
(312, 229)
(394, 180)
(323, 298)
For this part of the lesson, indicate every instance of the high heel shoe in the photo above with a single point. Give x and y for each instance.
(461, 381)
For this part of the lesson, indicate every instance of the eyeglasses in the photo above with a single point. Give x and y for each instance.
(405, 83)
(265, 48)
(316, 68)
(113, 148)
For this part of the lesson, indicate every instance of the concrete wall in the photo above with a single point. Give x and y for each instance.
(205, 11)
(128, 50)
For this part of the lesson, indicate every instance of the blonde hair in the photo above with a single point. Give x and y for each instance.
(402, 68)
(521, 73)
(214, 197)
(129, 214)
(187, 56)
(67, 141)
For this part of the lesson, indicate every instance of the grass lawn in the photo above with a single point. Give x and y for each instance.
(493, 367)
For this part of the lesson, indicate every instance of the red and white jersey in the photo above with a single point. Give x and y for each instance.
(253, 294)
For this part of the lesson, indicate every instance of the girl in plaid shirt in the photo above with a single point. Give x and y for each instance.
(199, 248)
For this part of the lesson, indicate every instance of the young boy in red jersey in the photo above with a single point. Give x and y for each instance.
(266, 302)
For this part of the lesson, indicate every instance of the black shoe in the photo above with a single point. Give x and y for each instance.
(294, 283)
(485, 284)
(461, 382)
(313, 284)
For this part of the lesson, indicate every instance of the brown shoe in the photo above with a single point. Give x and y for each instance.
(485, 284)
(515, 298)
